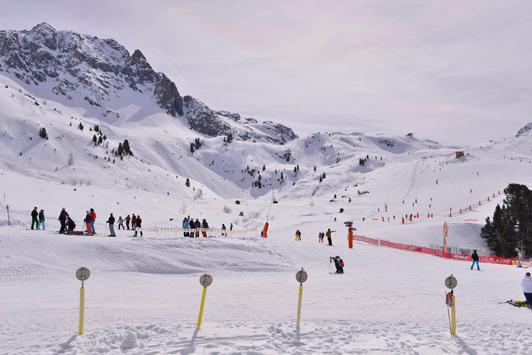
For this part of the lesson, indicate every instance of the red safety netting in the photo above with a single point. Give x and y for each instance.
(436, 252)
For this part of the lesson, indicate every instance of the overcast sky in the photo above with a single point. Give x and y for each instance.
(455, 71)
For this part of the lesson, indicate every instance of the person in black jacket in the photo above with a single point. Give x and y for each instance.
(138, 225)
(70, 224)
(34, 218)
(88, 222)
(197, 224)
(204, 227)
(111, 222)
(63, 217)
(475, 258)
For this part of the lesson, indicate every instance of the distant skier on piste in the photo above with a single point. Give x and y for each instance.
(298, 235)
(328, 234)
(338, 264)
(34, 218)
(475, 259)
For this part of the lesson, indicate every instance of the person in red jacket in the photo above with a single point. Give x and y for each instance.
(93, 216)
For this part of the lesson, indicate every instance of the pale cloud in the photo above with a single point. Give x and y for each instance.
(393, 66)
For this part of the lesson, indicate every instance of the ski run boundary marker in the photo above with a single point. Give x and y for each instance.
(435, 252)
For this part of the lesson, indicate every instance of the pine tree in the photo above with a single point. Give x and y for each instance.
(94, 139)
(43, 134)
(120, 150)
(80, 126)
(187, 183)
(127, 149)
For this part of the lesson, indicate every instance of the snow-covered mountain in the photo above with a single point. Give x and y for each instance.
(103, 78)
(90, 95)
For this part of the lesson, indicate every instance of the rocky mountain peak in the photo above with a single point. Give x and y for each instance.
(101, 75)
(83, 67)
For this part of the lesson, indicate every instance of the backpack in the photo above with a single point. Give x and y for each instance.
(341, 263)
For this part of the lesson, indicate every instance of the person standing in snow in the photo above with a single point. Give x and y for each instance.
(298, 235)
(475, 259)
(224, 231)
(93, 216)
(138, 225)
(88, 223)
(204, 228)
(186, 226)
(133, 222)
(328, 234)
(197, 225)
(63, 216)
(111, 222)
(127, 220)
(120, 222)
(526, 284)
(339, 264)
(42, 220)
(34, 218)
(321, 235)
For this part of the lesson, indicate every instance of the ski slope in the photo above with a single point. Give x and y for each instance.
(143, 297)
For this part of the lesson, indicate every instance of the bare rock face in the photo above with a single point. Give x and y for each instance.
(525, 131)
(222, 123)
(96, 70)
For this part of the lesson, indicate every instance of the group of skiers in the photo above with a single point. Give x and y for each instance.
(37, 219)
(135, 221)
(192, 228)
(67, 224)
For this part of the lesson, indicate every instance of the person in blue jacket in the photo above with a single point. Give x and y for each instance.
(186, 226)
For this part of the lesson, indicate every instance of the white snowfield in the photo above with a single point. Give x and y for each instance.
(143, 294)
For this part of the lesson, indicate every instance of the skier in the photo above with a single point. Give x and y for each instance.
(133, 222)
(321, 235)
(329, 236)
(120, 222)
(186, 226)
(41, 220)
(298, 235)
(111, 222)
(197, 226)
(93, 216)
(127, 220)
(34, 218)
(338, 263)
(204, 228)
(231, 227)
(63, 216)
(138, 225)
(224, 231)
(88, 223)
(475, 258)
(526, 284)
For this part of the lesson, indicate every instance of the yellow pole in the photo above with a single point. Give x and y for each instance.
(202, 305)
(453, 316)
(81, 309)
(299, 305)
